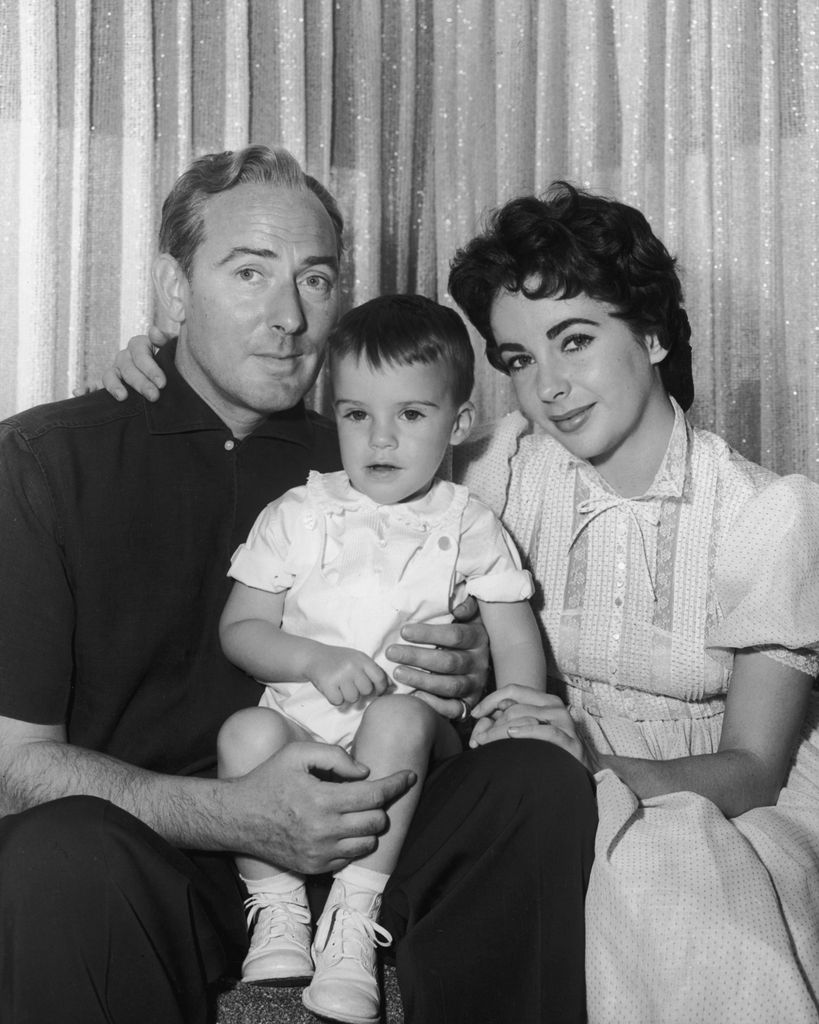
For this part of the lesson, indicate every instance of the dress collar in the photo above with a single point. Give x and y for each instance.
(669, 480)
(180, 410)
(645, 509)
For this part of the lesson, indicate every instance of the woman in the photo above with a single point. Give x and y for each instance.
(679, 598)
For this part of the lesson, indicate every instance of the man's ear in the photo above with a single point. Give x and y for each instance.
(462, 427)
(172, 288)
(656, 352)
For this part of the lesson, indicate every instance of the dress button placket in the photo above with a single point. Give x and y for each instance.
(616, 617)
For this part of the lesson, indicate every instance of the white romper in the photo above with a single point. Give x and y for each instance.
(355, 572)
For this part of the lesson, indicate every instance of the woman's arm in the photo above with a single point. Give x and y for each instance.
(252, 637)
(765, 707)
(764, 711)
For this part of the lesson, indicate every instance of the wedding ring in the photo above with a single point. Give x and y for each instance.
(464, 710)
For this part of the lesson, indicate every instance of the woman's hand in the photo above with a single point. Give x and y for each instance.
(519, 712)
(135, 365)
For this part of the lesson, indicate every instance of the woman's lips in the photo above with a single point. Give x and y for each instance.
(573, 420)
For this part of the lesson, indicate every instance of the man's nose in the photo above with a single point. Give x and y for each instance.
(285, 313)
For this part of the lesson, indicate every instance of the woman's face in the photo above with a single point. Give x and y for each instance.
(581, 375)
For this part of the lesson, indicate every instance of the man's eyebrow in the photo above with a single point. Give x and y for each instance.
(321, 261)
(270, 254)
(245, 250)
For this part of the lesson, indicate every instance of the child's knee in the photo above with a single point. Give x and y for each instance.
(401, 717)
(249, 737)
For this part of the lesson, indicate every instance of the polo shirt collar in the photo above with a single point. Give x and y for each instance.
(180, 410)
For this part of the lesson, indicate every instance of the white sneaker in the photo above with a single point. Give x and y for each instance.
(345, 987)
(279, 951)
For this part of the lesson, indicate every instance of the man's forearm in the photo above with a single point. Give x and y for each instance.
(186, 811)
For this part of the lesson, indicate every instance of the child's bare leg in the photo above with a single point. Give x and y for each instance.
(246, 739)
(397, 731)
(277, 907)
(400, 731)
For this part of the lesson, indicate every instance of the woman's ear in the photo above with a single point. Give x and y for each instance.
(172, 288)
(656, 352)
(462, 426)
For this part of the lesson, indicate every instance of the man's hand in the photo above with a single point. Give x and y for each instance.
(286, 815)
(451, 671)
(280, 811)
(135, 365)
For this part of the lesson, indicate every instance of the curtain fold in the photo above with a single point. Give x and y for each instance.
(421, 115)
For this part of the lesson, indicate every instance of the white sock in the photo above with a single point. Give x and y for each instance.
(362, 888)
(356, 877)
(279, 883)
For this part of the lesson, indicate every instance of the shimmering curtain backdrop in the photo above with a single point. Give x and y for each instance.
(420, 115)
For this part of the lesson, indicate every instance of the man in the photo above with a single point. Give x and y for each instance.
(119, 900)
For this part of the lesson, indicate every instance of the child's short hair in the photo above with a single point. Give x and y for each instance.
(406, 329)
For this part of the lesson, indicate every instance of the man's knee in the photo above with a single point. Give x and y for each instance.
(50, 837)
(531, 780)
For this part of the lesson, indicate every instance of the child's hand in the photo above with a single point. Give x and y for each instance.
(344, 675)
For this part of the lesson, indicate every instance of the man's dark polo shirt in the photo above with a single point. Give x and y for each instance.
(117, 523)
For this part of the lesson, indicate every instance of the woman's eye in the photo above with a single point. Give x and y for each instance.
(518, 362)
(576, 341)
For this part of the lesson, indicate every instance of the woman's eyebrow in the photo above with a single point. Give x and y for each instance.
(553, 332)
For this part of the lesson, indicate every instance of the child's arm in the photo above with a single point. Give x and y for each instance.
(252, 637)
(515, 643)
(517, 649)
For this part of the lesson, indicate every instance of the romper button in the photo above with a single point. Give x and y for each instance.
(229, 446)
(444, 543)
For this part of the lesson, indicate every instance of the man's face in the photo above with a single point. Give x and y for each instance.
(261, 299)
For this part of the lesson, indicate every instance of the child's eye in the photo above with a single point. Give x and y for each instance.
(575, 342)
(355, 415)
(413, 414)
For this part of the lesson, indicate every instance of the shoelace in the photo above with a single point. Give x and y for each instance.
(356, 934)
(282, 919)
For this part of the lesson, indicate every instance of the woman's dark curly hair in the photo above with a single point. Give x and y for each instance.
(570, 242)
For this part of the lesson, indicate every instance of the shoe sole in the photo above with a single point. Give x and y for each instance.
(291, 982)
(334, 1018)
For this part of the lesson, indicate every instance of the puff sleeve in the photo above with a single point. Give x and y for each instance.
(277, 545)
(767, 573)
(488, 560)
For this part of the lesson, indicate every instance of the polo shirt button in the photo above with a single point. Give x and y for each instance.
(229, 446)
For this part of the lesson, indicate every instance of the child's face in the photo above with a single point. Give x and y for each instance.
(394, 425)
